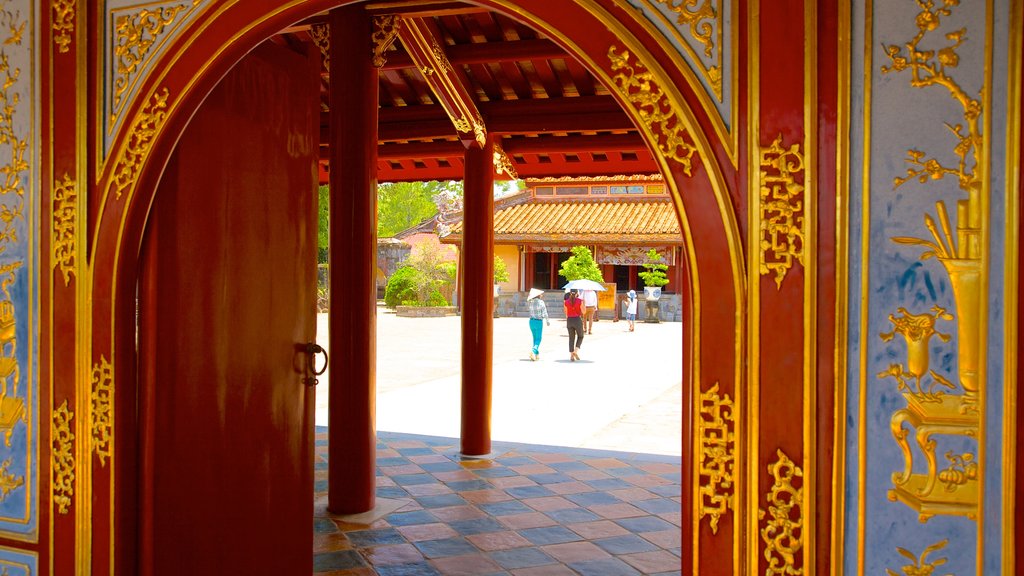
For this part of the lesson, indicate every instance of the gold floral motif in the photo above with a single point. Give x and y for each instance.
(140, 139)
(636, 85)
(503, 164)
(102, 413)
(919, 566)
(65, 218)
(385, 30)
(8, 481)
(783, 532)
(63, 458)
(63, 24)
(135, 34)
(917, 330)
(321, 35)
(782, 209)
(718, 459)
(479, 131)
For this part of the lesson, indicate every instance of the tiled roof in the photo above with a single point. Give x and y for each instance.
(591, 219)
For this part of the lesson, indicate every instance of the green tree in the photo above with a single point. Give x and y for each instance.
(581, 265)
(500, 270)
(432, 272)
(654, 275)
(401, 205)
(323, 230)
(401, 287)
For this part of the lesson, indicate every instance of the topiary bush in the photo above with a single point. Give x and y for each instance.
(401, 287)
(436, 299)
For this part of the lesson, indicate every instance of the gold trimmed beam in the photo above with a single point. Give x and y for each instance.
(424, 45)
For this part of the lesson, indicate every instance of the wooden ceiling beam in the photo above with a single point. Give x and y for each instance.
(610, 143)
(423, 43)
(486, 52)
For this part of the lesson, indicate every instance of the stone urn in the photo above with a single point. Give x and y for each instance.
(651, 296)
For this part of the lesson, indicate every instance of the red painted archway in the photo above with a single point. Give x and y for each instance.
(204, 52)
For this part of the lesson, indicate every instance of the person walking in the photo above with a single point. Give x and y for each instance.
(589, 310)
(574, 323)
(538, 319)
(631, 303)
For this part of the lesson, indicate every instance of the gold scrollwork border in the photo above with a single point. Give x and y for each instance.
(782, 219)
(637, 86)
(703, 21)
(717, 434)
(782, 533)
(147, 123)
(63, 458)
(102, 410)
(65, 219)
(63, 24)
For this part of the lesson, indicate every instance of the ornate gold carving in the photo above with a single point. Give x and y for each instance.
(637, 86)
(12, 406)
(718, 459)
(783, 532)
(140, 139)
(321, 35)
(8, 481)
(63, 458)
(503, 164)
(697, 19)
(385, 30)
(65, 218)
(461, 124)
(479, 131)
(441, 58)
(919, 566)
(931, 413)
(962, 469)
(782, 209)
(135, 34)
(961, 256)
(63, 24)
(944, 416)
(102, 410)
(917, 330)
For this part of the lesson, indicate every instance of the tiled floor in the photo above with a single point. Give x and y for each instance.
(532, 511)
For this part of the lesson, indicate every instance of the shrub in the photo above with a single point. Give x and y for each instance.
(436, 299)
(401, 287)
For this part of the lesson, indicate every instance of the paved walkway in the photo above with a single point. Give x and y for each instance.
(624, 395)
(586, 474)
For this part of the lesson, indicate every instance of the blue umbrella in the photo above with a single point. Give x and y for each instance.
(583, 284)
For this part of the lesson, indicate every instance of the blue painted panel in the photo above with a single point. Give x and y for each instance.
(18, 563)
(19, 295)
(889, 118)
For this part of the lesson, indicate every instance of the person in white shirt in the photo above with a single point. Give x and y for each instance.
(631, 303)
(589, 310)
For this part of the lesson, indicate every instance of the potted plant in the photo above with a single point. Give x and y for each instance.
(654, 278)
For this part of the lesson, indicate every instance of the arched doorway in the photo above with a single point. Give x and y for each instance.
(700, 187)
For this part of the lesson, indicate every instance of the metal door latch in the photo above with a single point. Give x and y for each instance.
(312, 349)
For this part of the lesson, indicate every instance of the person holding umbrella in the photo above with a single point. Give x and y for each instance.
(538, 317)
(574, 323)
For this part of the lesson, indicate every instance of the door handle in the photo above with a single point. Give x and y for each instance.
(312, 349)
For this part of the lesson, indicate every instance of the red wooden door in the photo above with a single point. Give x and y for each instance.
(227, 301)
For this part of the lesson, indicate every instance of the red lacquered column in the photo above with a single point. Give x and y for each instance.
(352, 324)
(477, 299)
